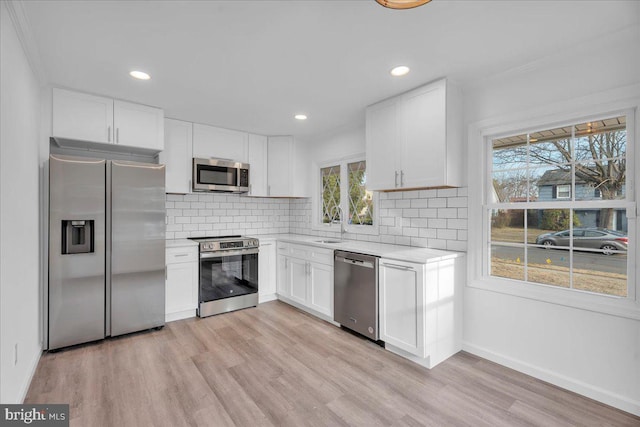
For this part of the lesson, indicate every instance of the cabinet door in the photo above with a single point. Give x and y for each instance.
(258, 161)
(382, 145)
(283, 275)
(210, 141)
(138, 125)
(401, 288)
(181, 288)
(280, 150)
(266, 274)
(82, 117)
(298, 272)
(321, 288)
(178, 137)
(423, 133)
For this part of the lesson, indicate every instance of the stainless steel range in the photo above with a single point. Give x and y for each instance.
(228, 274)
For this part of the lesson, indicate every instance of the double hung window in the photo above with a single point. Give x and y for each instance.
(557, 207)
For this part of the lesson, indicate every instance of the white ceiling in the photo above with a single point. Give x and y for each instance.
(252, 65)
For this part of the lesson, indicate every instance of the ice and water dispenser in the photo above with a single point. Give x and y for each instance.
(77, 236)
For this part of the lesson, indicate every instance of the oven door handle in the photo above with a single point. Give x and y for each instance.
(220, 254)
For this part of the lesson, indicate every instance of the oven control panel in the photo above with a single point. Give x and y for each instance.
(225, 245)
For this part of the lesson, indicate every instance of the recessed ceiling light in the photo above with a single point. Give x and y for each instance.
(300, 117)
(399, 71)
(141, 75)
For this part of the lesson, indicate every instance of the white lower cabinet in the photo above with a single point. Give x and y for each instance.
(421, 308)
(305, 278)
(267, 271)
(401, 288)
(181, 291)
(321, 288)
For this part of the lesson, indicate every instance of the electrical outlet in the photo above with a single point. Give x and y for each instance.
(15, 354)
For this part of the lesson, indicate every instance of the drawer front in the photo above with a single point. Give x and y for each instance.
(176, 255)
(322, 256)
(299, 251)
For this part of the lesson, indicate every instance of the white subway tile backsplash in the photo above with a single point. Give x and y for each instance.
(448, 192)
(437, 203)
(420, 218)
(447, 213)
(457, 202)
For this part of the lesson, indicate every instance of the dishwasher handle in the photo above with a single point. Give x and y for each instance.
(358, 262)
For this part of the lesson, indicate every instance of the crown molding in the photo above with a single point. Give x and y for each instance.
(18, 16)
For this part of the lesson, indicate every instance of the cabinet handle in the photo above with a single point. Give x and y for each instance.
(249, 188)
(396, 266)
(396, 180)
(268, 190)
(286, 263)
(401, 178)
(108, 133)
(177, 255)
(118, 135)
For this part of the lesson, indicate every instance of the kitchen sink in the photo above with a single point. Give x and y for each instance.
(328, 241)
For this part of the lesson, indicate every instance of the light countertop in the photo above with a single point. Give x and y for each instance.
(180, 243)
(383, 250)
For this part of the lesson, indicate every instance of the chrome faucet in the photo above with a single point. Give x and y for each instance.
(343, 227)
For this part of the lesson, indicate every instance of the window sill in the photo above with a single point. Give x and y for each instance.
(350, 229)
(603, 304)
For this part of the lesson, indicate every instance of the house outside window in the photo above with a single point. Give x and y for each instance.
(545, 224)
(563, 191)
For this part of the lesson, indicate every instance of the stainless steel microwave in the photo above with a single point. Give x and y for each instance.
(220, 175)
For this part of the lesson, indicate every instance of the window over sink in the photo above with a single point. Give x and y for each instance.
(342, 195)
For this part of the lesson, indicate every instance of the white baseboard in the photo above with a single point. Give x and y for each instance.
(34, 365)
(267, 298)
(572, 384)
(179, 315)
(311, 311)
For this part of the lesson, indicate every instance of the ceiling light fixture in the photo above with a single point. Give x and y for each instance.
(399, 71)
(402, 4)
(300, 117)
(140, 75)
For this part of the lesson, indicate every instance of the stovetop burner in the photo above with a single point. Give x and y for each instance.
(214, 238)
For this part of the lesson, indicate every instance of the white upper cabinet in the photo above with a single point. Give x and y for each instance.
(280, 166)
(210, 141)
(82, 117)
(414, 140)
(138, 125)
(382, 129)
(177, 155)
(258, 177)
(95, 119)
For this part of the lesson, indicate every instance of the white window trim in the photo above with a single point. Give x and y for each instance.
(611, 103)
(565, 187)
(316, 202)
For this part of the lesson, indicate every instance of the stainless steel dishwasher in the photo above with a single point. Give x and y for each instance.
(355, 303)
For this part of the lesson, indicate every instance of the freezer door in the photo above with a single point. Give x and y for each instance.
(76, 292)
(137, 246)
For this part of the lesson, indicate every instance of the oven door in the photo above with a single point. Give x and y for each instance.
(228, 274)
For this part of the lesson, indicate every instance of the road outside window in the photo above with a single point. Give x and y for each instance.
(557, 207)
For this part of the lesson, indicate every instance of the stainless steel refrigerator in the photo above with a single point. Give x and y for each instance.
(106, 249)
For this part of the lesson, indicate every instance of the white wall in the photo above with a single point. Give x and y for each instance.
(593, 354)
(19, 286)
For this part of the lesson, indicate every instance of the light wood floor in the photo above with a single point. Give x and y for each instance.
(274, 365)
